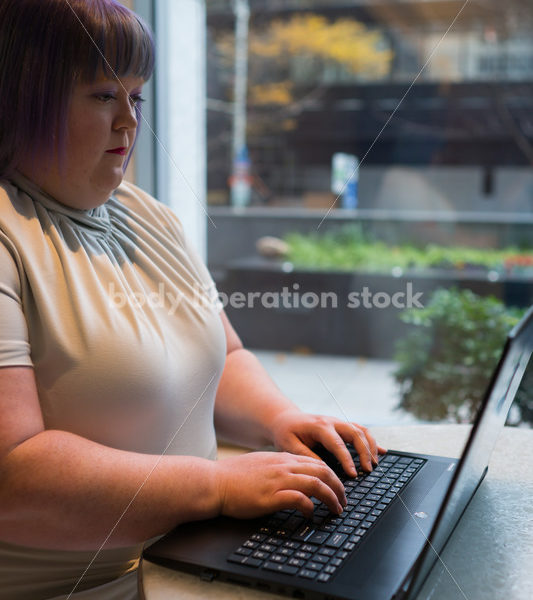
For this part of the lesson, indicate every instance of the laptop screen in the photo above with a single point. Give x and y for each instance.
(509, 380)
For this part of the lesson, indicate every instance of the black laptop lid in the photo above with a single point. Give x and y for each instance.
(513, 370)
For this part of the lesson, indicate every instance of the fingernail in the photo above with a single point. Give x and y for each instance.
(339, 509)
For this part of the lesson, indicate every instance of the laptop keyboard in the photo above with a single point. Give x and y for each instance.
(316, 548)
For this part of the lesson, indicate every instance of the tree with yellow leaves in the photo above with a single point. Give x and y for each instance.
(313, 42)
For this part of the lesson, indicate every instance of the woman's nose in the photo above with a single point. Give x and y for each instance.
(126, 118)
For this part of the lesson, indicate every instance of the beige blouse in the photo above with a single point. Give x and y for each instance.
(119, 318)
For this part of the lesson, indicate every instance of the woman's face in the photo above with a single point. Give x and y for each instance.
(101, 127)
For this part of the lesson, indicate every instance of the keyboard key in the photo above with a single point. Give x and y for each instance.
(356, 496)
(308, 548)
(330, 569)
(321, 558)
(250, 544)
(352, 521)
(315, 566)
(323, 577)
(319, 537)
(293, 523)
(373, 497)
(345, 529)
(287, 569)
(348, 546)
(327, 551)
(282, 515)
(303, 533)
(278, 558)
(247, 561)
(273, 541)
(261, 555)
(365, 485)
(363, 509)
(303, 555)
(336, 540)
(357, 516)
(296, 562)
(274, 523)
(307, 573)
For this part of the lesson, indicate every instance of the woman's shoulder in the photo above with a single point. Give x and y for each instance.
(15, 207)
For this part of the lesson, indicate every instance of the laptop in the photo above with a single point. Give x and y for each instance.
(397, 521)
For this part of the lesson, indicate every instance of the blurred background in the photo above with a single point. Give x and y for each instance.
(358, 176)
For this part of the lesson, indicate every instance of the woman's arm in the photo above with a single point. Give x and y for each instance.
(252, 411)
(247, 400)
(59, 490)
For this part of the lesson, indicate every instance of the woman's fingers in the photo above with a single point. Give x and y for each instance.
(318, 469)
(259, 483)
(294, 499)
(361, 435)
(335, 437)
(314, 486)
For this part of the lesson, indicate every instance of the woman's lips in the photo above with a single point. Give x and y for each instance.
(121, 150)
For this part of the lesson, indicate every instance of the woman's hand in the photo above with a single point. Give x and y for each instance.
(297, 432)
(259, 483)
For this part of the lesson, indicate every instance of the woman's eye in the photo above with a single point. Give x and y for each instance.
(137, 99)
(104, 97)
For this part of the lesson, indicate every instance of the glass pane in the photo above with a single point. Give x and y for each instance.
(388, 149)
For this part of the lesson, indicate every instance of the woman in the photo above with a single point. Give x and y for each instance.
(109, 403)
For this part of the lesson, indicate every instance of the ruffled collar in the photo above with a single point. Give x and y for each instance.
(95, 218)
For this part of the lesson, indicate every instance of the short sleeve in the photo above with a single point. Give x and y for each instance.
(14, 341)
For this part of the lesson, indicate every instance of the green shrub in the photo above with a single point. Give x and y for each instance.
(349, 248)
(445, 362)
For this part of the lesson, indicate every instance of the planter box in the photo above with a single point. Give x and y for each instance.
(275, 307)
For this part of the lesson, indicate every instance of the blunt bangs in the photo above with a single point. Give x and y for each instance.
(116, 43)
(46, 47)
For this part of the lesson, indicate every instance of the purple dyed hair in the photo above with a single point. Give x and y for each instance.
(46, 47)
